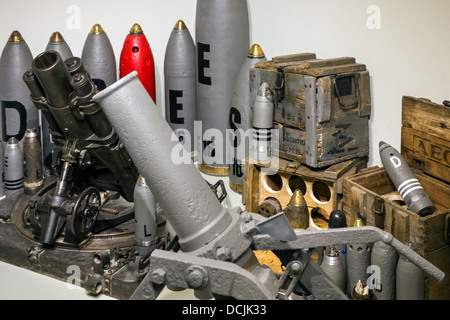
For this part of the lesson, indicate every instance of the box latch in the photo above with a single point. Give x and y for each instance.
(279, 85)
(347, 91)
(378, 210)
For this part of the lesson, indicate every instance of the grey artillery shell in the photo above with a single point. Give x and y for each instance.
(262, 122)
(401, 175)
(222, 37)
(240, 116)
(2, 171)
(180, 78)
(13, 167)
(58, 44)
(385, 258)
(17, 111)
(146, 229)
(357, 261)
(99, 59)
(191, 207)
(33, 174)
(409, 281)
(333, 267)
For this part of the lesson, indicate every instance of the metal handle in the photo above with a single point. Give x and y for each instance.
(351, 105)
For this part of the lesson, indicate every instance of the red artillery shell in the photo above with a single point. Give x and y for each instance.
(137, 56)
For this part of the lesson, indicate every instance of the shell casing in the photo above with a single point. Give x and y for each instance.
(58, 44)
(146, 228)
(13, 167)
(240, 118)
(409, 280)
(262, 122)
(136, 55)
(357, 261)
(269, 207)
(2, 171)
(33, 174)
(297, 212)
(334, 268)
(384, 256)
(220, 54)
(337, 219)
(180, 78)
(17, 111)
(99, 59)
(406, 183)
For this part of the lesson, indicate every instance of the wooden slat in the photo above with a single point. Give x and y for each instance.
(365, 97)
(282, 62)
(439, 191)
(425, 116)
(426, 136)
(321, 63)
(250, 187)
(431, 151)
(294, 57)
(325, 71)
(400, 226)
(441, 259)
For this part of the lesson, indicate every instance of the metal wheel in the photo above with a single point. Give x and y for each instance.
(84, 213)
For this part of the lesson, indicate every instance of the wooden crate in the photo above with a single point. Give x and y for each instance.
(371, 195)
(426, 136)
(322, 188)
(325, 104)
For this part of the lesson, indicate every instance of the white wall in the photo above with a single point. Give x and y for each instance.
(407, 55)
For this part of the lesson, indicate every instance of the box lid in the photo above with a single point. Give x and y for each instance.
(426, 136)
(308, 64)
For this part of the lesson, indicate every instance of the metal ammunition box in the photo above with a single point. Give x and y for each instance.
(322, 188)
(322, 106)
(371, 195)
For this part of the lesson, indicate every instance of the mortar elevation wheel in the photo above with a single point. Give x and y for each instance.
(84, 213)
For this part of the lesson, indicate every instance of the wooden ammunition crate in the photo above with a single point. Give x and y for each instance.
(426, 136)
(322, 188)
(322, 106)
(425, 146)
(371, 195)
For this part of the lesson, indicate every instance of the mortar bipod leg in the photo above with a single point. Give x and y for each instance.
(185, 271)
(316, 238)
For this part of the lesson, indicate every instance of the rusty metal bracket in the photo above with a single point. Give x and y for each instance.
(278, 90)
(379, 210)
